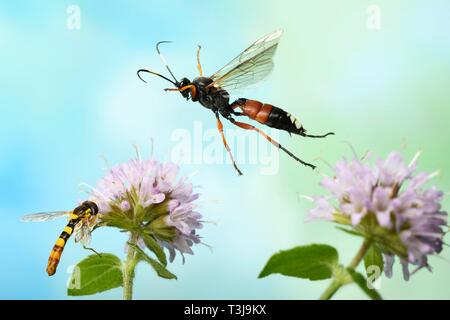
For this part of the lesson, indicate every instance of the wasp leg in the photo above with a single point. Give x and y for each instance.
(220, 128)
(238, 114)
(90, 249)
(189, 86)
(199, 65)
(316, 136)
(247, 126)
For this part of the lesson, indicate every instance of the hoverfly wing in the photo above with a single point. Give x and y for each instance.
(45, 216)
(83, 231)
(251, 66)
(86, 240)
(78, 232)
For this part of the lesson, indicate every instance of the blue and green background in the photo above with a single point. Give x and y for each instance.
(69, 97)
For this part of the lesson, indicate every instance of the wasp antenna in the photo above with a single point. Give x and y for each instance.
(139, 76)
(154, 73)
(164, 61)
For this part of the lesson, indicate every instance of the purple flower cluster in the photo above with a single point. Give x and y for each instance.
(395, 196)
(150, 182)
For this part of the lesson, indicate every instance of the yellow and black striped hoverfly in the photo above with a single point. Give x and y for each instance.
(82, 220)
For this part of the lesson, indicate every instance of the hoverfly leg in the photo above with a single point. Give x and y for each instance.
(227, 147)
(90, 249)
(247, 126)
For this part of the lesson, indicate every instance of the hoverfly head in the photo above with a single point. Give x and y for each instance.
(92, 206)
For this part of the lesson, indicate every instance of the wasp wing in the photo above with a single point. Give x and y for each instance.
(45, 216)
(251, 66)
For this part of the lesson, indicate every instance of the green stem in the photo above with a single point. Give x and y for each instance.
(339, 280)
(128, 270)
(361, 253)
(331, 289)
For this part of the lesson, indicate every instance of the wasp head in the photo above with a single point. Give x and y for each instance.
(184, 82)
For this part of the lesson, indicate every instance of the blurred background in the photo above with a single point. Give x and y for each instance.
(70, 97)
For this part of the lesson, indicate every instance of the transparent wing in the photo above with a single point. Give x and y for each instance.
(83, 231)
(45, 216)
(251, 66)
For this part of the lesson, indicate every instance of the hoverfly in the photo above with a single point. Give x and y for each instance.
(249, 67)
(82, 220)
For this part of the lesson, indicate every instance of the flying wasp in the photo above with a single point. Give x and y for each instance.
(249, 67)
(82, 220)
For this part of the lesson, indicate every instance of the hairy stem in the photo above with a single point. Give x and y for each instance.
(128, 269)
(339, 280)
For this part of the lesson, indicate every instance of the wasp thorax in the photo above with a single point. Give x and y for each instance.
(202, 81)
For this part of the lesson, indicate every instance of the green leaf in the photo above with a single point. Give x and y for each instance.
(119, 219)
(158, 267)
(362, 282)
(156, 210)
(161, 230)
(151, 243)
(95, 274)
(353, 233)
(373, 261)
(314, 262)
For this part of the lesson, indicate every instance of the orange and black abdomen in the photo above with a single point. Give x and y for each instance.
(58, 248)
(269, 115)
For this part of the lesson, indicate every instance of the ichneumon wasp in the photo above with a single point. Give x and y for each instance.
(249, 67)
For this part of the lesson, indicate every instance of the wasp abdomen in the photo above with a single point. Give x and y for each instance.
(269, 115)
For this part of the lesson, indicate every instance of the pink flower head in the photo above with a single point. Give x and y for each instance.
(392, 193)
(145, 183)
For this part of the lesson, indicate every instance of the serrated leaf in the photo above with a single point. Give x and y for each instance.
(151, 243)
(95, 274)
(313, 262)
(362, 282)
(373, 262)
(158, 267)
